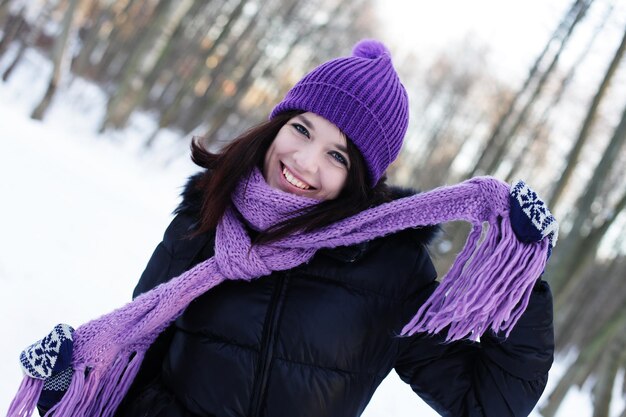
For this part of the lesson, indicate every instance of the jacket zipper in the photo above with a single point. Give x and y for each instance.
(267, 344)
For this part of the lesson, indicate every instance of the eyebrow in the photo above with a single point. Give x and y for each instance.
(308, 124)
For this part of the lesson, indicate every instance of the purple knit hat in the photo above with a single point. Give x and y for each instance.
(363, 96)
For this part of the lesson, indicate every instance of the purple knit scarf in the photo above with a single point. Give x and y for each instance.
(488, 286)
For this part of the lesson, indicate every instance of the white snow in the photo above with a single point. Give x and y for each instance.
(81, 214)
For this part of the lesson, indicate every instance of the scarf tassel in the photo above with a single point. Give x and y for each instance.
(89, 393)
(488, 286)
(26, 399)
(96, 394)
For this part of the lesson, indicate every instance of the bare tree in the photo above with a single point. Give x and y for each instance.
(570, 256)
(612, 358)
(497, 138)
(4, 11)
(586, 362)
(117, 109)
(96, 18)
(583, 135)
(508, 136)
(135, 88)
(14, 25)
(129, 21)
(172, 111)
(30, 39)
(541, 129)
(60, 49)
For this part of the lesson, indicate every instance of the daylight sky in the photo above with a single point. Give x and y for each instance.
(515, 31)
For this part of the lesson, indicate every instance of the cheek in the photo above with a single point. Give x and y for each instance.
(335, 181)
(267, 160)
(280, 148)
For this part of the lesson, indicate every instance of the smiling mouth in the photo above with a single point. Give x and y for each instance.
(291, 179)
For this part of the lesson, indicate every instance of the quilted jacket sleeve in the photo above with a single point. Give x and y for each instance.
(159, 267)
(175, 254)
(495, 377)
(155, 273)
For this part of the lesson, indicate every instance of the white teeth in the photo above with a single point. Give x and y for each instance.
(293, 180)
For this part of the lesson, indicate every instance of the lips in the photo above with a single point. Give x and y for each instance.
(293, 180)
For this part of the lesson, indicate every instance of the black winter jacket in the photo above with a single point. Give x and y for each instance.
(318, 339)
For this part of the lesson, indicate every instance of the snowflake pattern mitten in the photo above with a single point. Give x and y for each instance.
(530, 217)
(50, 359)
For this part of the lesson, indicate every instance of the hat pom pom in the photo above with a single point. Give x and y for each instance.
(369, 48)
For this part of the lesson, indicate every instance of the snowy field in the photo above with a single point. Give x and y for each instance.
(81, 213)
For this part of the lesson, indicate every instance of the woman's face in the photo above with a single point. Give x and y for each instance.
(308, 157)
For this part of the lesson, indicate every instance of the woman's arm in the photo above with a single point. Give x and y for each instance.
(497, 377)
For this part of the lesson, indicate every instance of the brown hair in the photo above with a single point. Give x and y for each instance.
(226, 167)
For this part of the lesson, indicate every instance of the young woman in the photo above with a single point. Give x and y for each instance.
(321, 327)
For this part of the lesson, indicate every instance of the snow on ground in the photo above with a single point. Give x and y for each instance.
(81, 213)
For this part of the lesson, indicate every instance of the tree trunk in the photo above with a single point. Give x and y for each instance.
(118, 109)
(193, 51)
(12, 30)
(60, 49)
(118, 39)
(170, 114)
(496, 135)
(601, 172)
(81, 64)
(563, 263)
(226, 66)
(566, 382)
(584, 364)
(611, 360)
(588, 122)
(30, 40)
(601, 292)
(4, 11)
(138, 94)
(565, 277)
(221, 115)
(510, 134)
(541, 126)
(217, 115)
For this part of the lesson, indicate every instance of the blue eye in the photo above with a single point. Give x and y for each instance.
(301, 129)
(340, 158)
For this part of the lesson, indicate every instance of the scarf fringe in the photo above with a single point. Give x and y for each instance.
(488, 286)
(25, 401)
(94, 394)
(97, 390)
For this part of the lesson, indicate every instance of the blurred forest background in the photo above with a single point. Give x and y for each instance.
(211, 68)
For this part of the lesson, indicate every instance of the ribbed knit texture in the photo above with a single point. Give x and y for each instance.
(363, 96)
(488, 286)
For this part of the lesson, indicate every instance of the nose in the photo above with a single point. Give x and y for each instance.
(307, 161)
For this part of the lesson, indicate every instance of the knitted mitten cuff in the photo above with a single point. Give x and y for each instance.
(530, 217)
(50, 359)
(49, 356)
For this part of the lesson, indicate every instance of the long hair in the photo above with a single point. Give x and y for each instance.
(225, 168)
